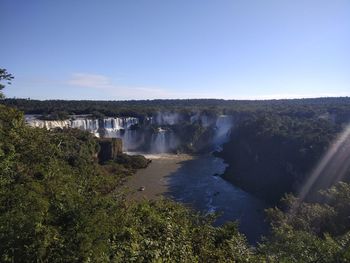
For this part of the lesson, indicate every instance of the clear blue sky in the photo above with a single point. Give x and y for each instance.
(145, 49)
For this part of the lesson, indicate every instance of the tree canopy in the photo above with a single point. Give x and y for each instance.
(4, 76)
(58, 204)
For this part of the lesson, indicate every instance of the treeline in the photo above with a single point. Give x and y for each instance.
(58, 204)
(141, 108)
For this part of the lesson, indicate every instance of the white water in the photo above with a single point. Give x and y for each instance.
(109, 127)
(223, 125)
(85, 124)
(161, 141)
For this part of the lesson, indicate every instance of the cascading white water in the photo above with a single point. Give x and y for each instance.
(49, 124)
(203, 120)
(111, 126)
(90, 125)
(161, 141)
(129, 121)
(159, 144)
(223, 128)
(166, 118)
(122, 128)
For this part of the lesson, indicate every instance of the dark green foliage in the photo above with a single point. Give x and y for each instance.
(4, 76)
(329, 216)
(193, 137)
(132, 161)
(311, 232)
(271, 154)
(167, 232)
(49, 195)
(57, 115)
(57, 204)
(301, 108)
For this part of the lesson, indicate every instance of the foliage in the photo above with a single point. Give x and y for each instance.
(300, 108)
(57, 204)
(311, 232)
(279, 148)
(50, 199)
(57, 115)
(4, 76)
(132, 161)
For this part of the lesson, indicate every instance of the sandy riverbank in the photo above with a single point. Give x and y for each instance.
(155, 177)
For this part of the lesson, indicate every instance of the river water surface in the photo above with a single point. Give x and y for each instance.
(194, 181)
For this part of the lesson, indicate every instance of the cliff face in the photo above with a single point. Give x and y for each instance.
(259, 167)
(110, 149)
(270, 155)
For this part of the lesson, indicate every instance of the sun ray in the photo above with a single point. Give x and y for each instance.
(330, 169)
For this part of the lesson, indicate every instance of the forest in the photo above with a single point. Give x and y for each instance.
(279, 148)
(278, 140)
(60, 204)
(142, 108)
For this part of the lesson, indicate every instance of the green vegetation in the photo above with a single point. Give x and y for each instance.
(57, 115)
(279, 148)
(4, 76)
(57, 204)
(311, 232)
(142, 108)
(132, 161)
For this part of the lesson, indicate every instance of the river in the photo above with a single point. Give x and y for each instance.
(194, 181)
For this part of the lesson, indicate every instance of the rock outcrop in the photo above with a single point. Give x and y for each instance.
(110, 148)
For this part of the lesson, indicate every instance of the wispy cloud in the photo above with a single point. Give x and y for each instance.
(121, 91)
(101, 82)
(90, 81)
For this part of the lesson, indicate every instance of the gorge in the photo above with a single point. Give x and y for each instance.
(164, 138)
(262, 150)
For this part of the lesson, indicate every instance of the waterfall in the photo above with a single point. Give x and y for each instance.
(202, 119)
(49, 124)
(163, 141)
(159, 144)
(223, 128)
(135, 139)
(131, 140)
(111, 126)
(119, 127)
(90, 125)
(129, 121)
(166, 118)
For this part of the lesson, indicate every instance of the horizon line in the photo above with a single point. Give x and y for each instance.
(164, 99)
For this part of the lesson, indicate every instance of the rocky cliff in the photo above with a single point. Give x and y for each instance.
(110, 149)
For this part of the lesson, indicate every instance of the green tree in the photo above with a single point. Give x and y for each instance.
(4, 76)
(310, 232)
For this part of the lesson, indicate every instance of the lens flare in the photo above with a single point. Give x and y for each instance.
(331, 168)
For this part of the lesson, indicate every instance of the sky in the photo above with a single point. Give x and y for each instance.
(151, 49)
